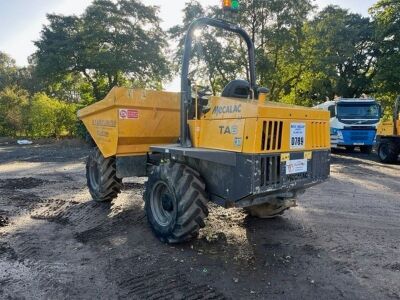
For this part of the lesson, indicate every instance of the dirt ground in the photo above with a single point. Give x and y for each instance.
(342, 241)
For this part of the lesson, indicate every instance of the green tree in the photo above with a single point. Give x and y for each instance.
(49, 117)
(275, 28)
(13, 105)
(8, 71)
(12, 75)
(386, 16)
(111, 42)
(215, 59)
(339, 55)
(71, 88)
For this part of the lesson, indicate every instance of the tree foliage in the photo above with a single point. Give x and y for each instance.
(13, 105)
(48, 117)
(215, 60)
(8, 71)
(276, 30)
(302, 55)
(386, 16)
(301, 59)
(340, 56)
(273, 26)
(110, 42)
(37, 116)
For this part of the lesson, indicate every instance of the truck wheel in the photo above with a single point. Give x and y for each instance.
(366, 149)
(350, 148)
(175, 202)
(102, 180)
(388, 152)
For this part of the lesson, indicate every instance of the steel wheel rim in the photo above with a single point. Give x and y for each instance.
(162, 204)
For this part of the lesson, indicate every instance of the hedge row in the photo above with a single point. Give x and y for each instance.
(37, 116)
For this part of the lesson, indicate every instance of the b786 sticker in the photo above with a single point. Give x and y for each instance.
(297, 135)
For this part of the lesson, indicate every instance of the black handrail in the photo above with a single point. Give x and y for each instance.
(185, 83)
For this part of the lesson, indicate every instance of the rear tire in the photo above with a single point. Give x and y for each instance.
(388, 152)
(175, 202)
(366, 149)
(101, 176)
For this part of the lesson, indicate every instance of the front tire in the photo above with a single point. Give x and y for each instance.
(101, 176)
(175, 202)
(388, 152)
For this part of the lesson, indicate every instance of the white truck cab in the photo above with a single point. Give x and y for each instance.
(353, 122)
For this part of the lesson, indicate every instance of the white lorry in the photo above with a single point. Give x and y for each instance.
(353, 123)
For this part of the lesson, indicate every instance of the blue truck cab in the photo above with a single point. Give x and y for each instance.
(353, 123)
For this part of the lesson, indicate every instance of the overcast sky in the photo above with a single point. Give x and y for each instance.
(21, 20)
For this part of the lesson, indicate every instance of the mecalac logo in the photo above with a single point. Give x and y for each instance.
(227, 109)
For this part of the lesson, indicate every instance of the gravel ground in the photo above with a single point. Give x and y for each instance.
(342, 241)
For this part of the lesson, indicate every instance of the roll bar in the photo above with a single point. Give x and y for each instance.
(185, 83)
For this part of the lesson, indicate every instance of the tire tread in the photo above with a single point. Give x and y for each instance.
(110, 185)
(393, 152)
(191, 198)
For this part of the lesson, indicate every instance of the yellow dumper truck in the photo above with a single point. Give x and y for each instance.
(388, 136)
(237, 149)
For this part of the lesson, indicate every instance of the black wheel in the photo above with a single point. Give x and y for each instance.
(175, 202)
(350, 148)
(366, 149)
(388, 152)
(102, 180)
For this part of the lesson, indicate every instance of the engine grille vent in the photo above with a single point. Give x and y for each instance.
(319, 134)
(270, 170)
(272, 135)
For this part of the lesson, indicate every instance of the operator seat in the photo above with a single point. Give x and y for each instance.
(237, 89)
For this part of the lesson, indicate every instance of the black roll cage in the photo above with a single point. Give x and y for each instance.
(185, 82)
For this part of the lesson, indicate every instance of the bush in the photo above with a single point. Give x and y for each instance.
(50, 117)
(13, 105)
(36, 117)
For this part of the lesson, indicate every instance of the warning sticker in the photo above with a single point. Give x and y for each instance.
(297, 135)
(296, 166)
(126, 114)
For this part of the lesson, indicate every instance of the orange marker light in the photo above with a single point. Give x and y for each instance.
(230, 5)
(227, 4)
